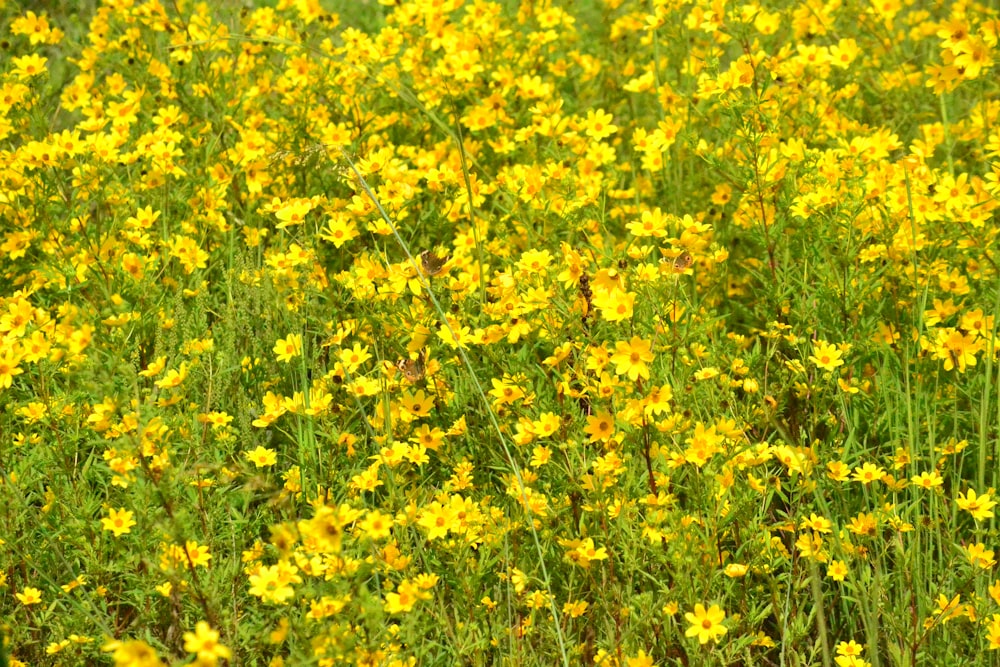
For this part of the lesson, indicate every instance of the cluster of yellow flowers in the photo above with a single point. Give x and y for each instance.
(330, 338)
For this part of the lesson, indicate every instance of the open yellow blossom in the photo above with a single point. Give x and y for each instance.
(837, 570)
(29, 596)
(288, 348)
(119, 521)
(980, 507)
(826, 356)
(292, 213)
(587, 552)
(204, 642)
(632, 358)
(993, 632)
(262, 457)
(706, 624)
(927, 480)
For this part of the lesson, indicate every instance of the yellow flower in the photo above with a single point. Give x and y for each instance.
(36, 28)
(133, 653)
(262, 457)
(174, 377)
(706, 624)
(119, 522)
(292, 213)
(837, 570)
(376, 525)
(196, 554)
(640, 660)
(868, 473)
(9, 361)
(928, 480)
(505, 391)
(851, 648)
(980, 507)
(598, 124)
(850, 661)
(406, 595)
(325, 530)
(600, 426)
(288, 348)
(339, 230)
(80, 580)
(955, 349)
(706, 373)
(269, 585)
(56, 647)
(837, 471)
(28, 66)
(154, 368)
(188, 253)
(29, 596)
(587, 552)
(204, 642)
(993, 632)
(980, 556)
(817, 523)
(615, 305)
(826, 356)
(632, 358)
(437, 519)
(735, 570)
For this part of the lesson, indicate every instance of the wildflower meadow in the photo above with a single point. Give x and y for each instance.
(386, 333)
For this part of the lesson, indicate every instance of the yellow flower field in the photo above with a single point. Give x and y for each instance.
(469, 332)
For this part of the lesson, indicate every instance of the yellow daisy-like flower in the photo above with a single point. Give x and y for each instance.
(292, 213)
(826, 356)
(288, 348)
(706, 624)
(262, 457)
(632, 358)
(204, 642)
(29, 596)
(980, 507)
(868, 473)
(993, 632)
(119, 521)
(928, 480)
(836, 570)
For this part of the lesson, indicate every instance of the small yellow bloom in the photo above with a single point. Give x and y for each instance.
(29, 596)
(292, 213)
(837, 570)
(868, 473)
(288, 348)
(640, 660)
(28, 66)
(575, 609)
(262, 457)
(927, 480)
(980, 507)
(598, 124)
(980, 556)
(993, 632)
(204, 642)
(588, 552)
(119, 521)
(826, 356)
(735, 570)
(133, 653)
(706, 624)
